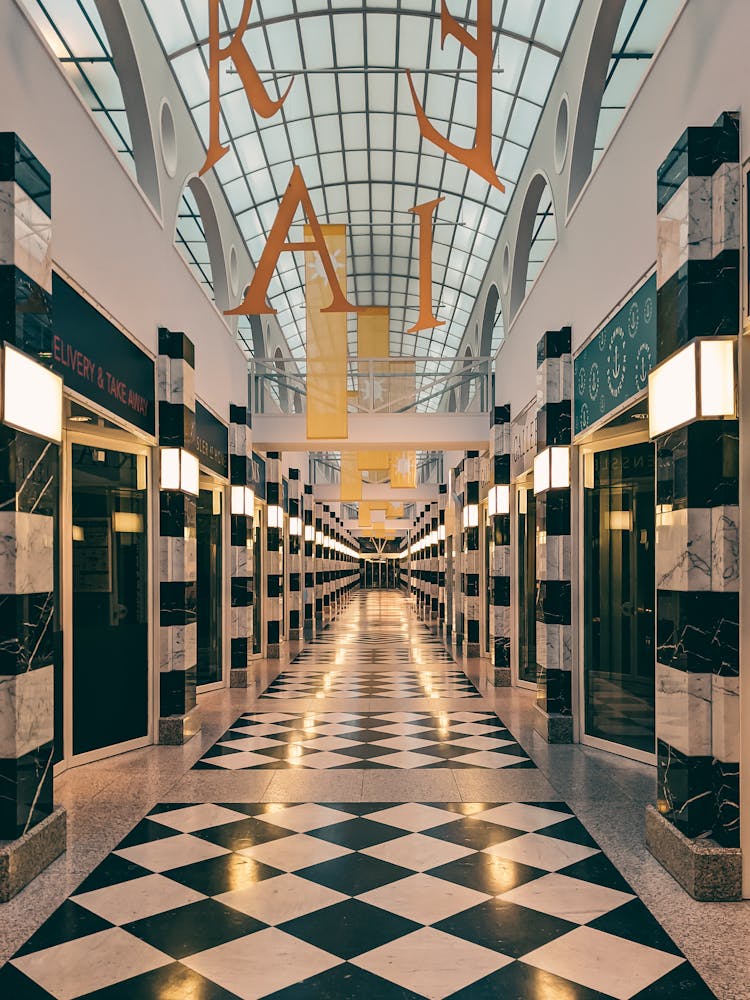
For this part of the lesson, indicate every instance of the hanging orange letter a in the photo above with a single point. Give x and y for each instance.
(257, 94)
(296, 195)
(479, 157)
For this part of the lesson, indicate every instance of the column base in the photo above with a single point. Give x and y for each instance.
(473, 649)
(709, 872)
(273, 652)
(309, 632)
(175, 730)
(553, 728)
(240, 677)
(295, 634)
(23, 859)
(500, 677)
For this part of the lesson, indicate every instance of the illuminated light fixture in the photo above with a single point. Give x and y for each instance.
(552, 469)
(180, 471)
(697, 383)
(498, 500)
(441, 533)
(295, 526)
(319, 538)
(32, 396)
(275, 516)
(127, 523)
(78, 534)
(243, 501)
(523, 501)
(619, 520)
(471, 516)
(309, 533)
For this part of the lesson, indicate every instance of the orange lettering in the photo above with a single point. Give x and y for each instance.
(257, 94)
(425, 213)
(479, 157)
(296, 195)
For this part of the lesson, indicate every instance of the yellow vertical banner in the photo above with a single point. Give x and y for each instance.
(351, 479)
(404, 470)
(373, 341)
(365, 519)
(395, 511)
(326, 342)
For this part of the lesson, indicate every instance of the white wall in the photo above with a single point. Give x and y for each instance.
(609, 242)
(105, 234)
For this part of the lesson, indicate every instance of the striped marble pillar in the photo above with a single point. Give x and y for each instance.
(459, 479)
(471, 574)
(442, 504)
(296, 550)
(32, 832)
(179, 716)
(241, 554)
(274, 556)
(554, 715)
(308, 518)
(500, 619)
(434, 595)
(319, 570)
(695, 832)
(326, 563)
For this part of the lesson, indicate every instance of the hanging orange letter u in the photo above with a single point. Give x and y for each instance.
(257, 94)
(425, 213)
(479, 157)
(296, 195)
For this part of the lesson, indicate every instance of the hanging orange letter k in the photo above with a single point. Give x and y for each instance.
(479, 157)
(257, 94)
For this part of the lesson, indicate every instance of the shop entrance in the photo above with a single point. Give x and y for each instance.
(258, 565)
(380, 574)
(210, 600)
(618, 612)
(107, 614)
(526, 577)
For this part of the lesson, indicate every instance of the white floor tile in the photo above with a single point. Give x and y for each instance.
(304, 818)
(236, 761)
(520, 816)
(172, 852)
(424, 898)
(495, 761)
(137, 899)
(541, 852)
(192, 818)
(417, 852)
(292, 853)
(276, 900)
(414, 816)
(568, 898)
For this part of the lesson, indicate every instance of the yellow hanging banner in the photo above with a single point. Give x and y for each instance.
(373, 342)
(327, 415)
(351, 480)
(395, 511)
(404, 470)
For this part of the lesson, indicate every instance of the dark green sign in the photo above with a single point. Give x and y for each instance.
(615, 365)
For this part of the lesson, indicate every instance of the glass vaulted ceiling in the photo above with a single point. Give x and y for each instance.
(354, 134)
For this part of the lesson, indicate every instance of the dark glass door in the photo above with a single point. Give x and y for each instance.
(619, 647)
(527, 665)
(110, 598)
(209, 536)
(257, 556)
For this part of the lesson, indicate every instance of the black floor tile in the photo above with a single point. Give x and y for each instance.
(349, 928)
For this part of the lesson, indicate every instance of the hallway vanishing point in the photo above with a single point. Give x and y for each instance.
(327, 844)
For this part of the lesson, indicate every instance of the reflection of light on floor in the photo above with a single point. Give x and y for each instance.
(295, 753)
(308, 722)
(443, 725)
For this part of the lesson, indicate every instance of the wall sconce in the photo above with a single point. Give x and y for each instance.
(243, 501)
(552, 469)
(319, 538)
(32, 396)
(295, 526)
(127, 523)
(697, 383)
(471, 516)
(619, 520)
(498, 500)
(275, 517)
(180, 471)
(523, 500)
(441, 533)
(309, 533)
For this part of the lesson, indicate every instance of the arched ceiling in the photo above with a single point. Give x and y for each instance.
(349, 123)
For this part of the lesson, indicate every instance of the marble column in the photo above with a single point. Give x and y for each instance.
(32, 832)
(441, 560)
(296, 543)
(500, 618)
(308, 512)
(179, 715)
(460, 554)
(472, 556)
(319, 570)
(241, 553)
(698, 527)
(274, 557)
(554, 639)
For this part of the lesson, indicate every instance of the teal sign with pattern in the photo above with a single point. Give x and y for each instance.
(615, 365)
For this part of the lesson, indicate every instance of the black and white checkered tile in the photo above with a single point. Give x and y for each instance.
(353, 901)
(371, 684)
(352, 740)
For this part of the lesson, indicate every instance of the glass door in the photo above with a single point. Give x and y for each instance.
(109, 602)
(258, 570)
(209, 583)
(484, 590)
(619, 583)
(526, 582)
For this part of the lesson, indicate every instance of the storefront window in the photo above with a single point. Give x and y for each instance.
(619, 649)
(209, 536)
(110, 598)
(527, 665)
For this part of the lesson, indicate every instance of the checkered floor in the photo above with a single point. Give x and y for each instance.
(351, 740)
(354, 902)
(371, 684)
